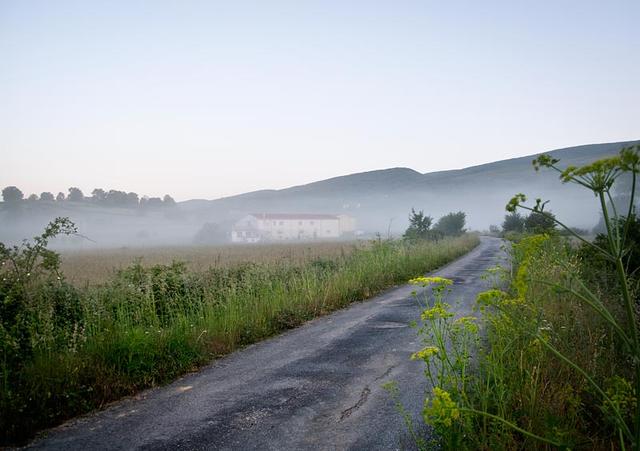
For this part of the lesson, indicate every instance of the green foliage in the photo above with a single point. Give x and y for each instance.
(451, 224)
(36, 304)
(513, 222)
(419, 226)
(559, 365)
(540, 223)
(84, 347)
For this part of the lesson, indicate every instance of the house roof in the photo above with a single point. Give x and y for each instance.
(292, 216)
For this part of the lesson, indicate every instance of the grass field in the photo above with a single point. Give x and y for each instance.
(76, 346)
(98, 266)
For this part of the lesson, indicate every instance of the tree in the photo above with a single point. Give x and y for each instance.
(168, 200)
(452, 224)
(154, 202)
(540, 223)
(132, 199)
(513, 222)
(33, 198)
(60, 197)
(419, 225)
(75, 195)
(210, 233)
(47, 196)
(116, 198)
(12, 195)
(98, 195)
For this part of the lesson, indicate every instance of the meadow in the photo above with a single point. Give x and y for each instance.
(98, 266)
(72, 343)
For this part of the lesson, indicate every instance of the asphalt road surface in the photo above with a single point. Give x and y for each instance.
(318, 387)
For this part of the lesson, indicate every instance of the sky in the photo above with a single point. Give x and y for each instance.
(203, 99)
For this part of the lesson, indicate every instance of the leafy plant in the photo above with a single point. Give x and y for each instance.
(549, 372)
(451, 224)
(419, 225)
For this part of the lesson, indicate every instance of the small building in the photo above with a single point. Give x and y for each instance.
(261, 227)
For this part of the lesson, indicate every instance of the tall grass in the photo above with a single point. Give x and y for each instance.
(558, 364)
(147, 325)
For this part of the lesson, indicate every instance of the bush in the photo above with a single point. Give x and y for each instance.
(451, 224)
(513, 222)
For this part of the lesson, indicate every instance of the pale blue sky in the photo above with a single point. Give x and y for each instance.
(203, 99)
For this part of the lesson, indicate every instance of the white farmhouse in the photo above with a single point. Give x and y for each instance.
(258, 227)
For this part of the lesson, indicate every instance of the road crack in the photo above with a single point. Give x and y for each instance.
(363, 398)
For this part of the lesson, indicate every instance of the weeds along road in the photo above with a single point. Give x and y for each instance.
(315, 387)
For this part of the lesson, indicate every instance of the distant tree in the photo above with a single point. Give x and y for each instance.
(12, 196)
(33, 198)
(154, 202)
(540, 223)
(116, 198)
(60, 197)
(98, 195)
(513, 222)
(419, 225)
(132, 199)
(75, 195)
(168, 200)
(47, 196)
(210, 233)
(452, 224)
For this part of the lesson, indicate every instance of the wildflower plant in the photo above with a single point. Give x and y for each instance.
(448, 344)
(600, 177)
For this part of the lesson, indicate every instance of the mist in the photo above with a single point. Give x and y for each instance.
(379, 202)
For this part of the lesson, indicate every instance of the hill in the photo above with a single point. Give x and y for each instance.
(379, 200)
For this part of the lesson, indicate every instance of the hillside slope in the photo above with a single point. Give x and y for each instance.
(379, 200)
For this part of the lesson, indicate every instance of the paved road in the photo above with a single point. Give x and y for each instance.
(315, 387)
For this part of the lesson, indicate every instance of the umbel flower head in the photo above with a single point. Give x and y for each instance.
(439, 311)
(425, 354)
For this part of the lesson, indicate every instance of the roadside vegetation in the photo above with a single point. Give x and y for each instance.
(551, 360)
(68, 348)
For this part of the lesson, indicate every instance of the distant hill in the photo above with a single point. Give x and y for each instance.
(379, 200)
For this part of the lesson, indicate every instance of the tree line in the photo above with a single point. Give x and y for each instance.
(13, 196)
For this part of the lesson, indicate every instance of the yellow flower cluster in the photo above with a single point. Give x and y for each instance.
(467, 323)
(491, 297)
(426, 281)
(442, 410)
(425, 354)
(440, 310)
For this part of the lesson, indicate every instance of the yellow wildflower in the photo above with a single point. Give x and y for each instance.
(425, 354)
(442, 411)
(467, 323)
(439, 310)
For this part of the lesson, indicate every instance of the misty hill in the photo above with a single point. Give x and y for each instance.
(379, 200)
